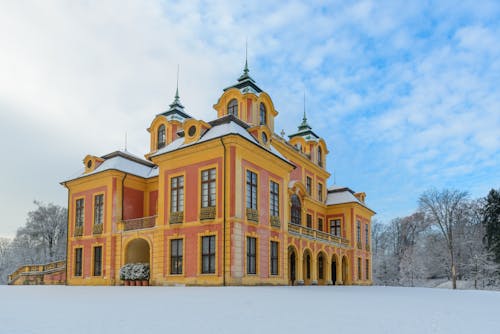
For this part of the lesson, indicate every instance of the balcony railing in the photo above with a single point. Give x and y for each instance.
(78, 231)
(317, 235)
(37, 269)
(139, 223)
(97, 229)
(275, 221)
(207, 213)
(252, 214)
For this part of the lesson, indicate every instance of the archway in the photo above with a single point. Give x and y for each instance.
(137, 251)
(307, 267)
(322, 264)
(292, 266)
(345, 271)
(334, 269)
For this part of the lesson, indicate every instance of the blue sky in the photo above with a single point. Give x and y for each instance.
(405, 93)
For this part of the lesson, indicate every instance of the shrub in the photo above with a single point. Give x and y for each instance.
(134, 272)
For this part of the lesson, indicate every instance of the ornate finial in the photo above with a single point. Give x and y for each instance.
(125, 141)
(177, 87)
(304, 119)
(246, 70)
(282, 133)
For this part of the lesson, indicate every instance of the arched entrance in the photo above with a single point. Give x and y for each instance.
(345, 270)
(292, 266)
(137, 251)
(307, 267)
(334, 269)
(321, 269)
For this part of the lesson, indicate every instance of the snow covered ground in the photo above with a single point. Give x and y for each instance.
(318, 309)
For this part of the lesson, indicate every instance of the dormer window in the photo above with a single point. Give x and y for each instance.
(161, 136)
(232, 108)
(263, 114)
(320, 157)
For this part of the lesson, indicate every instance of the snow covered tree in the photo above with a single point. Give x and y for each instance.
(46, 227)
(491, 221)
(445, 209)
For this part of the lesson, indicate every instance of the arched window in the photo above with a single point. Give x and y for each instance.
(161, 136)
(232, 107)
(320, 156)
(296, 213)
(263, 114)
(320, 267)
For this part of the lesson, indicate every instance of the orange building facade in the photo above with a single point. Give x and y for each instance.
(224, 202)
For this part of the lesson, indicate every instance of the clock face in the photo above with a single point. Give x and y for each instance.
(192, 130)
(264, 137)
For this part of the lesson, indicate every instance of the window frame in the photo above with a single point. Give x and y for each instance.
(78, 262)
(177, 201)
(320, 191)
(252, 190)
(210, 254)
(274, 258)
(232, 108)
(274, 198)
(175, 257)
(99, 209)
(336, 227)
(309, 185)
(262, 114)
(79, 212)
(309, 220)
(251, 264)
(211, 189)
(97, 261)
(161, 138)
(296, 211)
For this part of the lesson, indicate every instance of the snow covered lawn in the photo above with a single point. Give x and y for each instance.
(235, 310)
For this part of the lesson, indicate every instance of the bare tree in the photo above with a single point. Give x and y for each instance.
(445, 209)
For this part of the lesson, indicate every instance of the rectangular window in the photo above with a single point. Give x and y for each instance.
(177, 194)
(367, 273)
(309, 220)
(359, 269)
(335, 227)
(176, 256)
(208, 188)
(251, 190)
(78, 261)
(251, 255)
(97, 260)
(320, 192)
(309, 185)
(274, 258)
(98, 209)
(79, 212)
(366, 235)
(274, 199)
(320, 224)
(208, 255)
(358, 231)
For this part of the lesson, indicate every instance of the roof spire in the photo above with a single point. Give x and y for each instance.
(246, 70)
(177, 87)
(304, 118)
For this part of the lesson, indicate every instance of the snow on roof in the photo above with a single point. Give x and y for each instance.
(124, 162)
(218, 131)
(342, 195)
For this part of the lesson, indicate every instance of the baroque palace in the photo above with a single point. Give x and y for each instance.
(224, 202)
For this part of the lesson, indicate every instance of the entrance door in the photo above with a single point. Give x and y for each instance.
(334, 272)
(292, 268)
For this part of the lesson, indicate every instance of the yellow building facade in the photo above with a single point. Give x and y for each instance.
(221, 202)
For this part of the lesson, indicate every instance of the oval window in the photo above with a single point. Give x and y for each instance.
(192, 131)
(264, 137)
(89, 164)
